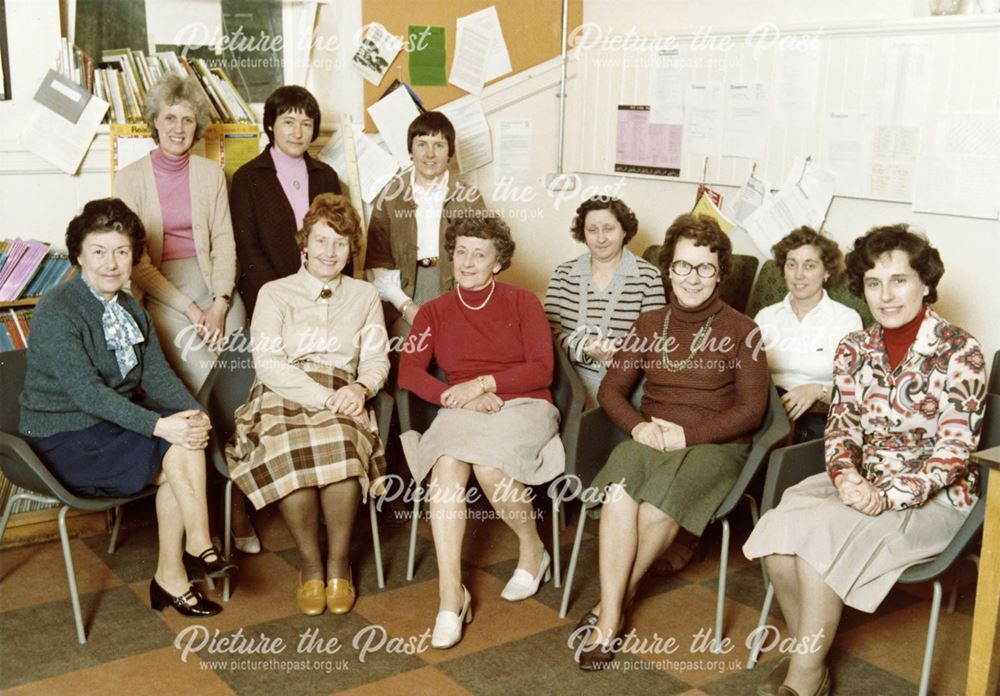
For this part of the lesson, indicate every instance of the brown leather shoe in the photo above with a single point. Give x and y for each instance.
(822, 690)
(775, 678)
(312, 601)
(340, 595)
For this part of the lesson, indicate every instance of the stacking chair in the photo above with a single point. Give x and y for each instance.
(224, 391)
(569, 396)
(994, 386)
(770, 288)
(23, 468)
(790, 465)
(598, 436)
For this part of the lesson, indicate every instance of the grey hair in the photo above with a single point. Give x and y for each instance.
(171, 90)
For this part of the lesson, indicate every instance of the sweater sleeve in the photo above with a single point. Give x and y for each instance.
(843, 437)
(373, 360)
(418, 351)
(255, 266)
(621, 379)
(536, 370)
(569, 340)
(744, 415)
(379, 251)
(57, 344)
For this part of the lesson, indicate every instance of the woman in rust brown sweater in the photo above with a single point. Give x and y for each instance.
(705, 394)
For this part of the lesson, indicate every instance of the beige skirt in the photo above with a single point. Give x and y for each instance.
(521, 440)
(859, 556)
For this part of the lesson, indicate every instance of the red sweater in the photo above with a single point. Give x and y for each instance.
(720, 397)
(509, 338)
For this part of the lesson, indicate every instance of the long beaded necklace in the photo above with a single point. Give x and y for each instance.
(458, 289)
(678, 365)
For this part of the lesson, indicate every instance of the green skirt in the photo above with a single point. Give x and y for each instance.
(687, 484)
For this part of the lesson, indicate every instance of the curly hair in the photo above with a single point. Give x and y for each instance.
(105, 215)
(290, 98)
(924, 259)
(482, 226)
(431, 123)
(171, 90)
(626, 218)
(335, 211)
(703, 231)
(829, 253)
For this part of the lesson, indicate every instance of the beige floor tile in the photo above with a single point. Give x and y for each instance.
(420, 682)
(36, 574)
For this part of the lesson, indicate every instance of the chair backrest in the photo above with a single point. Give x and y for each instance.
(569, 396)
(13, 367)
(734, 290)
(224, 391)
(994, 387)
(770, 288)
(772, 431)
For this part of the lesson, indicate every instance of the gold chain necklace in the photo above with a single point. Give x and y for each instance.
(458, 289)
(678, 365)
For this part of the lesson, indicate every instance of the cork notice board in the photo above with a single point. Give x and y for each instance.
(531, 28)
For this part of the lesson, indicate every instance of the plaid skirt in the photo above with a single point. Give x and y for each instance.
(279, 446)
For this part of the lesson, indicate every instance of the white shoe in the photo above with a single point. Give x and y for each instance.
(448, 625)
(522, 585)
(248, 544)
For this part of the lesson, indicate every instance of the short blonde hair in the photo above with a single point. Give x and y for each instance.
(335, 211)
(171, 90)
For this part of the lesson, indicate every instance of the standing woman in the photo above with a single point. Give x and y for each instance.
(188, 272)
(103, 410)
(593, 300)
(272, 192)
(907, 411)
(801, 333)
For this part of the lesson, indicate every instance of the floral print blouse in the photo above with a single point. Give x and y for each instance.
(909, 431)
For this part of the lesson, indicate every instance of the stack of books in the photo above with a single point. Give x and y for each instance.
(27, 269)
(123, 76)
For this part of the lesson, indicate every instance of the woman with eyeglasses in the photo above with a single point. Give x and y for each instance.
(705, 394)
(593, 300)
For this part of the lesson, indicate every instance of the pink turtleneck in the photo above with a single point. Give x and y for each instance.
(294, 179)
(173, 185)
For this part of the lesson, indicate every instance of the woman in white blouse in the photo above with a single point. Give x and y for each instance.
(801, 333)
(304, 439)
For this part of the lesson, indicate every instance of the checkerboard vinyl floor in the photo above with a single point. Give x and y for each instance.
(260, 644)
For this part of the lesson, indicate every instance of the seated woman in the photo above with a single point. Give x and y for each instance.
(493, 343)
(706, 393)
(303, 438)
(907, 411)
(593, 300)
(105, 413)
(802, 331)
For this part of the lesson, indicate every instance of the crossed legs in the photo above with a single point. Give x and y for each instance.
(338, 503)
(812, 611)
(509, 498)
(632, 535)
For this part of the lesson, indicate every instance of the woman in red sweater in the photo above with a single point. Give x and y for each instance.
(497, 419)
(705, 394)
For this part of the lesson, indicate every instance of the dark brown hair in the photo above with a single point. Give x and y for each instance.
(829, 252)
(335, 211)
(626, 218)
(703, 231)
(431, 123)
(487, 225)
(290, 98)
(924, 259)
(105, 215)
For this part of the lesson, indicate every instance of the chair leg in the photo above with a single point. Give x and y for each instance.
(71, 575)
(759, 632)
(755, 517)
(720, 600)
(11, 502)
(925, 672)
(227, 528)
(555, 543)
(418, 493)
(376, 542)
(581, 523)
(113, 544)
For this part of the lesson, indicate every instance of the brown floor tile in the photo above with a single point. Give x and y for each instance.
(895, 643)
(160, 671)
(419, 682)
(262, 590)
(683, 614)
(271, 529)
(36, 574)
(693, 692)
(495, 621)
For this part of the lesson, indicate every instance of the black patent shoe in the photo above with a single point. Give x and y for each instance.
(199, 566)
(159, 598)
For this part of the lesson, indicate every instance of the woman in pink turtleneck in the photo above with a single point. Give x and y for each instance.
(188, 274)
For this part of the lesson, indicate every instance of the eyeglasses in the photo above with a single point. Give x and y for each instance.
(704, 270)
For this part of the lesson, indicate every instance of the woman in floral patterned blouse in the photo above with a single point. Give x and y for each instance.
(906, 413)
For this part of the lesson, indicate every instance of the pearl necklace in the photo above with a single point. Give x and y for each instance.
(458, 289)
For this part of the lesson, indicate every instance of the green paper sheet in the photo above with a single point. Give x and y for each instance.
(427, 59)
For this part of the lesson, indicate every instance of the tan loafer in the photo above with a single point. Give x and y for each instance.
(312, 601)
(340, 595)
